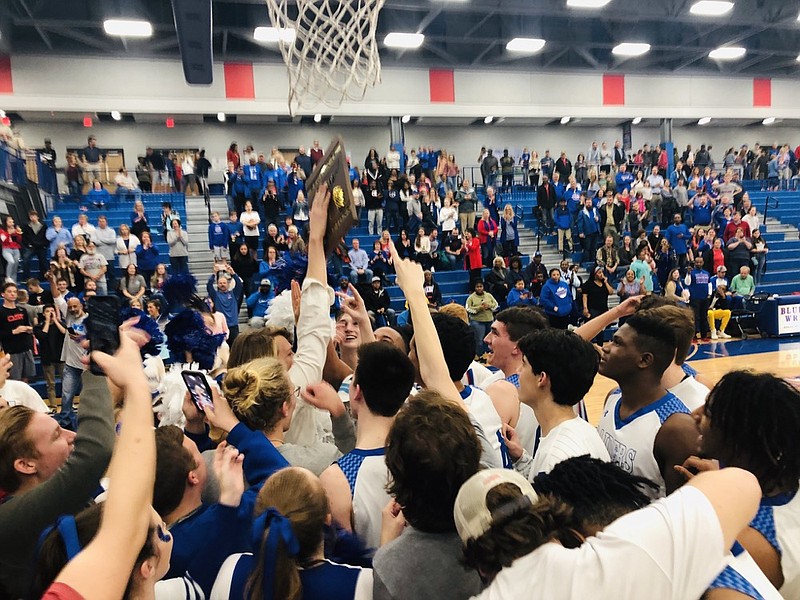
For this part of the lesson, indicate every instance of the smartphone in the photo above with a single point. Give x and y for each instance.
(102, 326)
(199, 390)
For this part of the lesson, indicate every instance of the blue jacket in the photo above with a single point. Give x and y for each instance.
(235, 230)
(562, 218)
(258, 303)
(204, 539)
(294, 185)
(254, 179)
(147, 259)
(701, 215)
(573, 198)
(502, 226)
(514, 297)
(624, 181)
(227, 302)
(239, 186)
(588, 222)
(556, 295)
(218, 235)
(676, 236)
(698, 281)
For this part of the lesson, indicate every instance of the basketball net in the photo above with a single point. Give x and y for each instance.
(330, 49)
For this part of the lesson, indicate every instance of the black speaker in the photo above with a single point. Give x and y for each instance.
(193, 26)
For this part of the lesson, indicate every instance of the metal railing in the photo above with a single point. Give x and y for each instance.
(12, 166)
(767, 206)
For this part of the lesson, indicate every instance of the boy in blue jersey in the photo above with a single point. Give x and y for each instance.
(218, 237)
(646, 429)
(356, 482)
(697, 281)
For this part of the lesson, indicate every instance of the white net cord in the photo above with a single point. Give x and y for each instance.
(329, 48)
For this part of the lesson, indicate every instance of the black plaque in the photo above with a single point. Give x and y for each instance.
(333, 170)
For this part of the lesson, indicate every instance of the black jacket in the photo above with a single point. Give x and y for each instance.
(546, 196)
(374, 300)
(34, 240)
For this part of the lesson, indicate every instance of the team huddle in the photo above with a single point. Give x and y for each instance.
(337, 460)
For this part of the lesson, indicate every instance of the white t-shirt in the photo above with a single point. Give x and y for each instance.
(247, 216)
(568, 439)
(670, 550)
(19, 393)
(691, 392)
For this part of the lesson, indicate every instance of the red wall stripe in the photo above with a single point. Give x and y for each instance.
(442, 85)
(613, 90)
(762, 92)
(239, 81)
(6, 83)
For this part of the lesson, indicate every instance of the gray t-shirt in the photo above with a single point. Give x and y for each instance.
(421, 566)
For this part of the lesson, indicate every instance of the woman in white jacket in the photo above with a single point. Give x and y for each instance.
(126, 247)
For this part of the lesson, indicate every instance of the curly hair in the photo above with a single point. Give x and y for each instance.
(757, 416)
(520, 532)
(257, 390)
(431, 450)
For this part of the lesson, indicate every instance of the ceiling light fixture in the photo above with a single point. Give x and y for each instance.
(317, 118)
(488, 120)
(221, 117)
(631, 49)
(406, 118)
(565, 120)
(636, 120)
(768, 121)
(727, 53)
(587, 3)
(271, 35)
(116, 115)
(711, 8)
(128, 27)
(403, 40)
(704, 121)
(527, 45)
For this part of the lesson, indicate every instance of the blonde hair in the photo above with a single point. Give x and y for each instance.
(299, 496)
(455, 310)
(257, 391)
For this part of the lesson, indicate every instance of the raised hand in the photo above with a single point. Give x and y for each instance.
(409, 274)
(228, 468)
(322, 395)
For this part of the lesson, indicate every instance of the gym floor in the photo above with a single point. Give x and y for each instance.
(712, 360)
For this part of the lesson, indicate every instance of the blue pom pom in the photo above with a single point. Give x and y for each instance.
(149, 326)
(179, 289)
(187, 332)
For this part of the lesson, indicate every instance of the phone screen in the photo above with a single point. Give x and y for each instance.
(102, 326)
(199, 389)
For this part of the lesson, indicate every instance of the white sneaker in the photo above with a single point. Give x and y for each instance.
(724, 335)
(714, 334)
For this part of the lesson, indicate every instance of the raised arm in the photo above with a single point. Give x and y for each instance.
(103, 568)
(433, 368)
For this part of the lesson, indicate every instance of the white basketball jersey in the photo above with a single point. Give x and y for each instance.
(367, 474)
(480, 405)
(630, 441)
(691, 392)
(743, 575)
(527, 427)
(778, 520)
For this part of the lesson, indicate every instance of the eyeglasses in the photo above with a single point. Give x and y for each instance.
(296, 392)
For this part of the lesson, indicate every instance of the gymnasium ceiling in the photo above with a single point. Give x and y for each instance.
(466, 33)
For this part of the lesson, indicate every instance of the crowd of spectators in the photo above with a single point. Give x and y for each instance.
(362, 458)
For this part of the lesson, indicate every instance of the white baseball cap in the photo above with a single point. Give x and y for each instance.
(470, 513)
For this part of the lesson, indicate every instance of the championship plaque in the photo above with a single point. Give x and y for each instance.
(333, 170)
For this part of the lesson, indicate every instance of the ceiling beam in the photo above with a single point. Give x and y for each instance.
(39, 30)
(82, 38)
(588, 57)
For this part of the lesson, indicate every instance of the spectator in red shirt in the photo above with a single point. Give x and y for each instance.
(730, 228)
